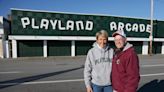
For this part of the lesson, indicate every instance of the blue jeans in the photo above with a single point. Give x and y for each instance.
(97, 88)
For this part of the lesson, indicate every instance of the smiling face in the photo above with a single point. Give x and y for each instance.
(119, 41)
(102, 41)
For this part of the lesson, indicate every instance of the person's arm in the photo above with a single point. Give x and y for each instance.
(133, 75)
(87, 73)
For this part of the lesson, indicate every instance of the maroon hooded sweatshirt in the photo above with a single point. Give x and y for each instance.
(125, 70)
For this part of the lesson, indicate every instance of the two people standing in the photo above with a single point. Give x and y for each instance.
(107, 70)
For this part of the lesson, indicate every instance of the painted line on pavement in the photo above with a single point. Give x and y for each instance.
(44, 82)
(10, 72)
(152, 65)
(64, 81)
(157, 74)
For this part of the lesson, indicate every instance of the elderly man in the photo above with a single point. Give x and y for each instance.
(125, 65)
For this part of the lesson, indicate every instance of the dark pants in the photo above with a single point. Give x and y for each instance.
(97, 88)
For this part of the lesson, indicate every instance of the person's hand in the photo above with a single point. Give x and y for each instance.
(89, 89)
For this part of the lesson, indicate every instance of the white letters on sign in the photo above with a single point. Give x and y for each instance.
(56, 24)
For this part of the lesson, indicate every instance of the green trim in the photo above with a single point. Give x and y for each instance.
(30, 48)
(59, 48)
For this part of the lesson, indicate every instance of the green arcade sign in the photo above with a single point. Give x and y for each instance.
(63, 24)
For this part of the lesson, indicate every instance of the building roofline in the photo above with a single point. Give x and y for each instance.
(78, 13)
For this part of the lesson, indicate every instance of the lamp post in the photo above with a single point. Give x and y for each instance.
(151, 30)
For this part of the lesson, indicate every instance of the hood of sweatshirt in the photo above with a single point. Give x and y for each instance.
(127, 46)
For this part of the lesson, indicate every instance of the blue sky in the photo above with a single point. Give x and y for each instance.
(129, 8)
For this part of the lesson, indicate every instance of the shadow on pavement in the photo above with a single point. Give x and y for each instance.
(153, 86)
(13, 82)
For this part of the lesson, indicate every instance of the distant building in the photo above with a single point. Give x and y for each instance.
(4, 31)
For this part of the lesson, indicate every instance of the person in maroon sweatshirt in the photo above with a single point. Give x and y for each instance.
(125, 65)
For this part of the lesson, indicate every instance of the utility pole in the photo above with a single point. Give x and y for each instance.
(151, 30)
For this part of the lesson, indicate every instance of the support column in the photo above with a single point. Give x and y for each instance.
(145, 48)
(72, 48)
(7, 49)
(162, 50)
(45, 48)
(1, 49)
(14, 49)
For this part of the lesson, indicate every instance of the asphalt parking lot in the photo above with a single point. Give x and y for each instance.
(65, 74)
